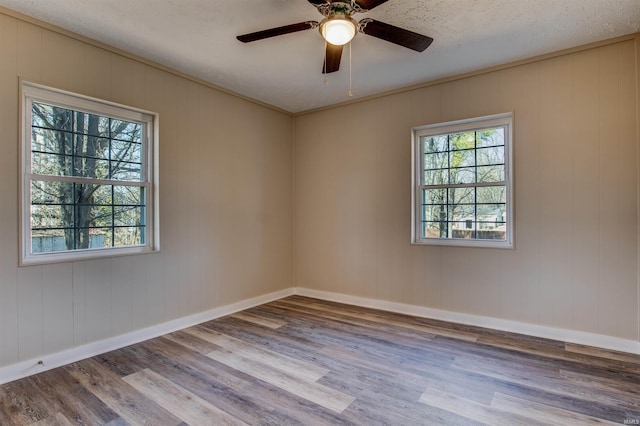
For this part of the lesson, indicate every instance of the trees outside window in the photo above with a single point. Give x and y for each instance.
(462, 184)
(88, 177)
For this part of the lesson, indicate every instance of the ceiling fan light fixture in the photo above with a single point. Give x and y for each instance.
(338, 30)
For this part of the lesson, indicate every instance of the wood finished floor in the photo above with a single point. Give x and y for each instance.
(305, 361)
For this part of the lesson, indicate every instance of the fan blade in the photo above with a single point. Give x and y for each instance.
(369, 4)
(332, 59)
(259, 35)
(396, 35)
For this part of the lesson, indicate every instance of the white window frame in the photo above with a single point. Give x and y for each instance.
(504, 120)
(31, 92)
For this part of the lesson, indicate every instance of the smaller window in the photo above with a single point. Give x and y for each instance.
(88, 174)
(462, 183)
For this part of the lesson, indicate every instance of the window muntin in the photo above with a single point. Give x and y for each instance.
(88, 178)
(462, 183)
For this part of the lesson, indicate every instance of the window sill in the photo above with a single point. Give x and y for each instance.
(80, 255)
(464, 243)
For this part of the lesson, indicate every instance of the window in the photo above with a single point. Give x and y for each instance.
(462, 192)
(88, 174)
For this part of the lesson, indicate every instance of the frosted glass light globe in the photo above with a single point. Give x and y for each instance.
(338, 31)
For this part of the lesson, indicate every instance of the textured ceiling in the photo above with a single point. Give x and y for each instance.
(197, 37)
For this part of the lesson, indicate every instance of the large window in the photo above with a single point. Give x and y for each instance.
(462, 183)
(88, 174)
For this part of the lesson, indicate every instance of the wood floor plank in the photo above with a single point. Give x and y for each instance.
(326, 397)
(179, 401)
(117, 422)
(473, 410)
(621, 386)
(543, 414)
(189, 340)
(550, 382)
(304, 371)
(260, 320)
(131, 405)
(63, 394)
(21, 404)
(57, 420)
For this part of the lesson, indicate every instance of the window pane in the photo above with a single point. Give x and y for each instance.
(46, 216)
(492, 194)
(462, 213)
(92, 147)
(126, 151)
(490, 156)
(98, 215)
(102, 195)
(51, 192)
(490, 174)
(126, 131)
(491, 212)
(51, 117)
(490, 137)
(435, 196)
(90, 167)
(47, 241)
(492, 234)
(464, 229)
(51, 164)
(46, 140)
(128, 195)
(465, 175)
(127, 216)
(434, 229)
(465, 140)
(435, 143)
(437, 160)
(436, 177)
(90, 124)
(128, 236)
(100, 238)
(462, 158)
(126, 171)
(437, 212)
(461, 195)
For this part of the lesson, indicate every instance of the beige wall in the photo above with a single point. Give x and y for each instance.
(225, 179)
(575, 265)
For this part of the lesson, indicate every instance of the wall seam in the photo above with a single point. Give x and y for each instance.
(294, 233)
(637, 70)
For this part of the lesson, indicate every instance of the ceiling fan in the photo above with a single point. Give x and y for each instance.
(338, 28)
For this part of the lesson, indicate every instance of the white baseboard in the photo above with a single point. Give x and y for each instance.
(47, 362)
(569, 336)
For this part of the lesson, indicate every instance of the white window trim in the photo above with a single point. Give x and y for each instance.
(32, 92)
(498, 120)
